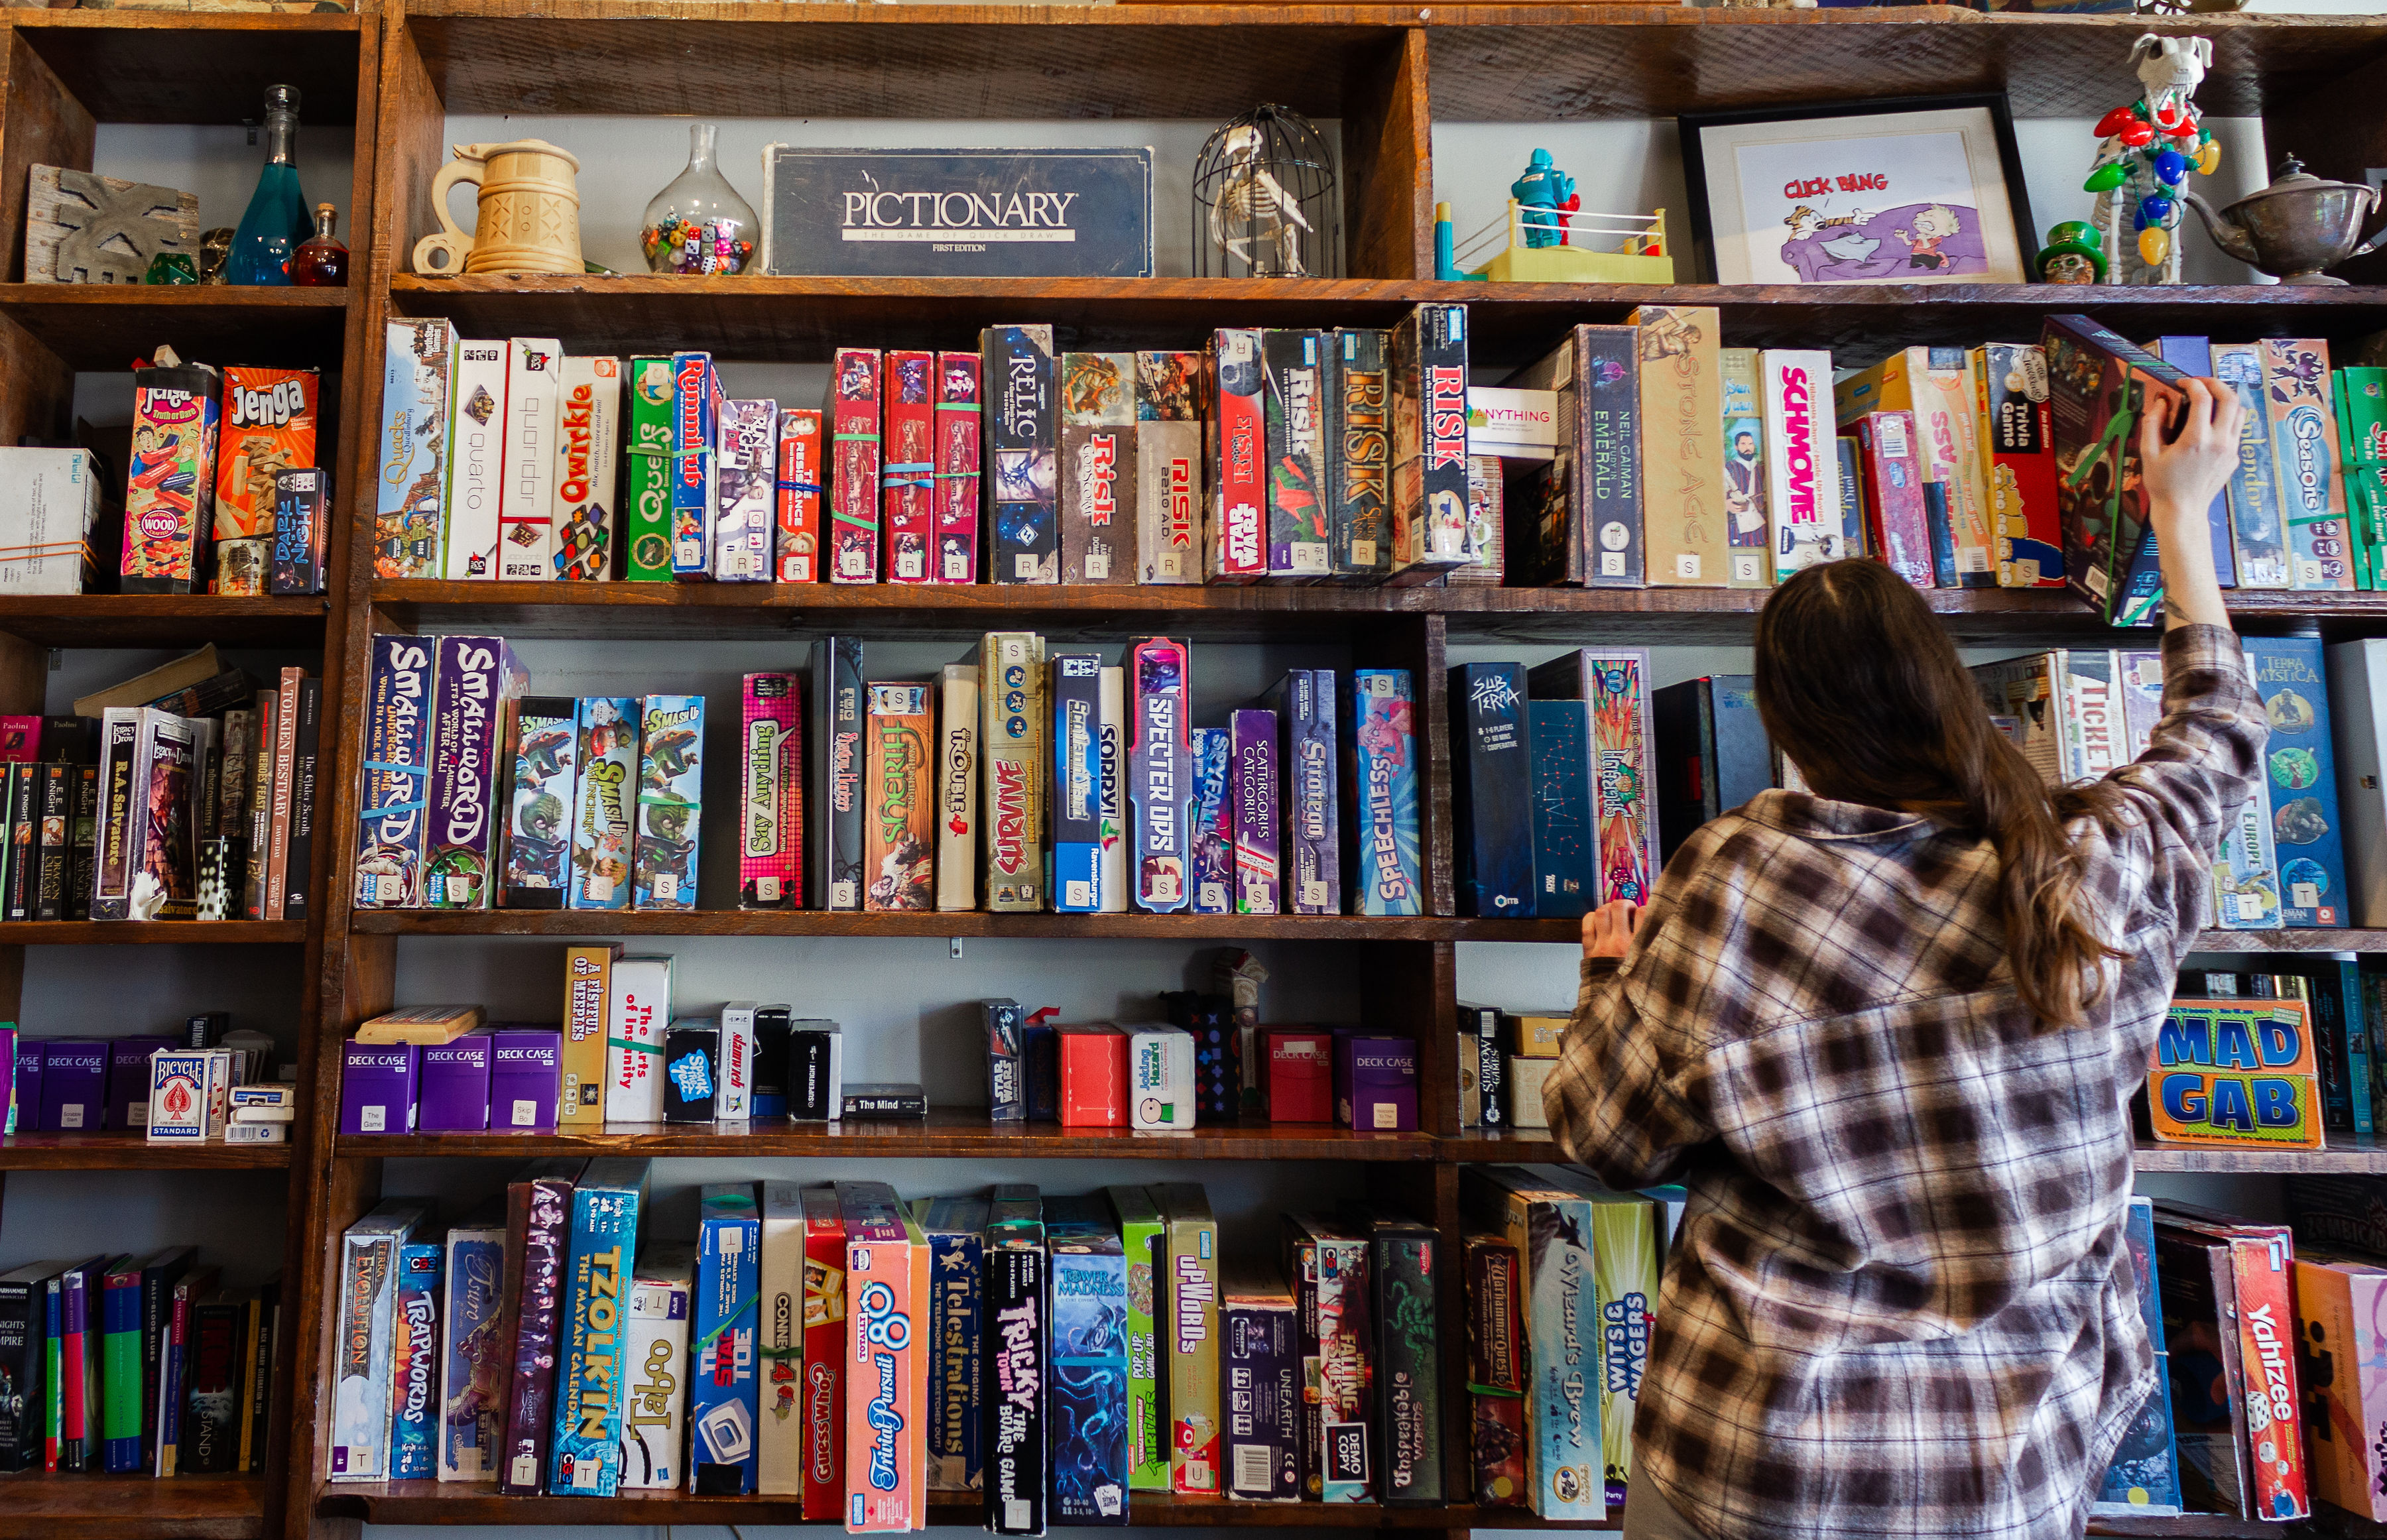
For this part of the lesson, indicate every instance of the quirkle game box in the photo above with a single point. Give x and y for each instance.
(1237, 444)
(585, 543)
(1158, 776)
(959, 436)
(907, 480)
(886, 1362)
(1023, 432)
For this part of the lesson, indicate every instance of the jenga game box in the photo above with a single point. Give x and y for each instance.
(887, 1365)
(269, 425)
(170, 489)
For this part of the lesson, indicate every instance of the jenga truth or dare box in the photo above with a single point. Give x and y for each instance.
(2235, 1072)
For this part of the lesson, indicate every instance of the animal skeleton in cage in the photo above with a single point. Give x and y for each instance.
(1251, 200)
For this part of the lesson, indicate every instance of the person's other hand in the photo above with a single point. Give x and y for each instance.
(1608, 931)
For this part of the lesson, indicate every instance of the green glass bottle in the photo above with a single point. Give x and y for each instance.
(277, 219)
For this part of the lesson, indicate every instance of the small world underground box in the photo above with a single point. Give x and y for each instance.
(957, 213)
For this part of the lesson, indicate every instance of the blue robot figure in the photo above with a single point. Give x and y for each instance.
(1541, 193)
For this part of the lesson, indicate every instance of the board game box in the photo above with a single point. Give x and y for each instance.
(1298, 485)
(471, 1384)
(2307, 460)
(724, 1381)
(591, 1381)
(907, 481)
(170, 485)
(1167, 468)
(842, 711)
(745, 470)
(771, 803)
(2010, 388)
(797, 497)
(1326, 1263)
(604, 801)
(899, 832)
(1359, 454)
(695, 465)
(477, 458)
(1211, 837)
(1159, 773)
(1098, 467)
(1260, 1366)
(2228, 1072)
(587, 541)
(1381, 849)
(671, 749)
(1018, 1334)
(418, 365)
(538, 823)
(1089, 1395)
(1747, 536)
(1077, 777)
(479, 685)
(1429, 500)
(2301, 760)
(647, 471)
(960, 435)
(2258, 537)
(269, 424)
(823, 1399)
(398, 772)
(654, 1418)
(1491, 790)
(1011, 697)
(955, 1230)
(1236, 442)
(1309, 823)
(887, 1365)
(1252, 799)
(1023, 433)
(526, 492)
(1407, 1359)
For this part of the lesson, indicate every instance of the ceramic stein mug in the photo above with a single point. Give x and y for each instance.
(529, 217)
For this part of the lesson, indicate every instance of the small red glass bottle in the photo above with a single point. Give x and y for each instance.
(321, 260)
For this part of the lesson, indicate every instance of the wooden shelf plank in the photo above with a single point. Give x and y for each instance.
(37, 1506)
(453, 1503)
(152, 932)
(2292, 940)
(802, 319)
(161, 620)
(2187, 1526)
(183, 67)
(2346, 1153)
(105, 326)
(769, 923)
(945, 1132)
(119, 1151)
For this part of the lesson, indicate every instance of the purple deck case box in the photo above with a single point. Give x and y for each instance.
(377, 1086)
(1375, 1084)
(526, 1077)
(26, 1079)
(1252, 776)
(452, 1089)
(74, 1085)
(127, 1080)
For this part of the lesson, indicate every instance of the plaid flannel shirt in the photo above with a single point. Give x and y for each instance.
(1901, 1302)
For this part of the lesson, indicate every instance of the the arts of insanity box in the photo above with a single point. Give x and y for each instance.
(1023, 433)
(647, 471)
(956, 1231)
(796, 548)
(591, 1378)
(899, 822)
(1326, 1263)
(1430, 444)
(539, 819)
(724, 1385)
(1381, 784)
(908, 482)
(1159, 780)
(960, 435)
(1357, 391)
(1017, 1329)
(269, 424)
(1261, 1365)
(1089, 1477)
(639, 1012)
(771, 799)
(887, 1361)
(1167, 468)
(1098, 468)
(478, 684)
(1011, 697)
(417, 368)
(1295, 422)
(695, 481)
(1309, 823)
(169, 490)
(841, 714)
(745, 467)
(1237, 444)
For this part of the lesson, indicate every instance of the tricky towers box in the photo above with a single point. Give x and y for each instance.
(2232, 1072)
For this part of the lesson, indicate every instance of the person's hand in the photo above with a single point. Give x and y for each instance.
(2187, 451)
(1608, 931)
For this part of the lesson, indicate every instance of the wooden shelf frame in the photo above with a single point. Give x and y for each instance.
(390, 78)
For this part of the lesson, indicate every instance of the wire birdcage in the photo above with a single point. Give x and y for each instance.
(1264, 201)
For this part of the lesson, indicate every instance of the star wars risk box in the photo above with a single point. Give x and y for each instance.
(950, 213)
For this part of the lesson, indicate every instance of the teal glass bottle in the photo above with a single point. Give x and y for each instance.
(277, 219)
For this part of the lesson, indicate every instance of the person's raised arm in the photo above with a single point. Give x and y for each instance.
(2186, 452)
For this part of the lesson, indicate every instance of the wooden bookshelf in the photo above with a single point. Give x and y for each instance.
(391, 78)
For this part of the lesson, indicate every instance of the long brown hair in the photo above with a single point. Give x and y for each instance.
(1860, 686)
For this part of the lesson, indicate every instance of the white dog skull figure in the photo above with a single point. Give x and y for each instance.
(2146, 151)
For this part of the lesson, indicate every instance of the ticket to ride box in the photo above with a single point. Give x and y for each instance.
(2227, 1072)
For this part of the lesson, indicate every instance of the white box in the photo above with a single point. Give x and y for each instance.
(654, 1414)
(957, 789)
(745, 470)
(267, 1102)
(477, 458)
(733, 1077)
(1514, 424)
(1159, 1078)
(256, 1133)
(1802, 459)
(780, 1431)
(1110, 791)
(1526, 1077)
(586, 539)
(526, 495)
(635, 1021)
(49, 499)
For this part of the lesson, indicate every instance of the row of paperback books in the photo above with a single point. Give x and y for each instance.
(224, 493)
(1294, 455)
(134, 1365)
(835, 1346)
